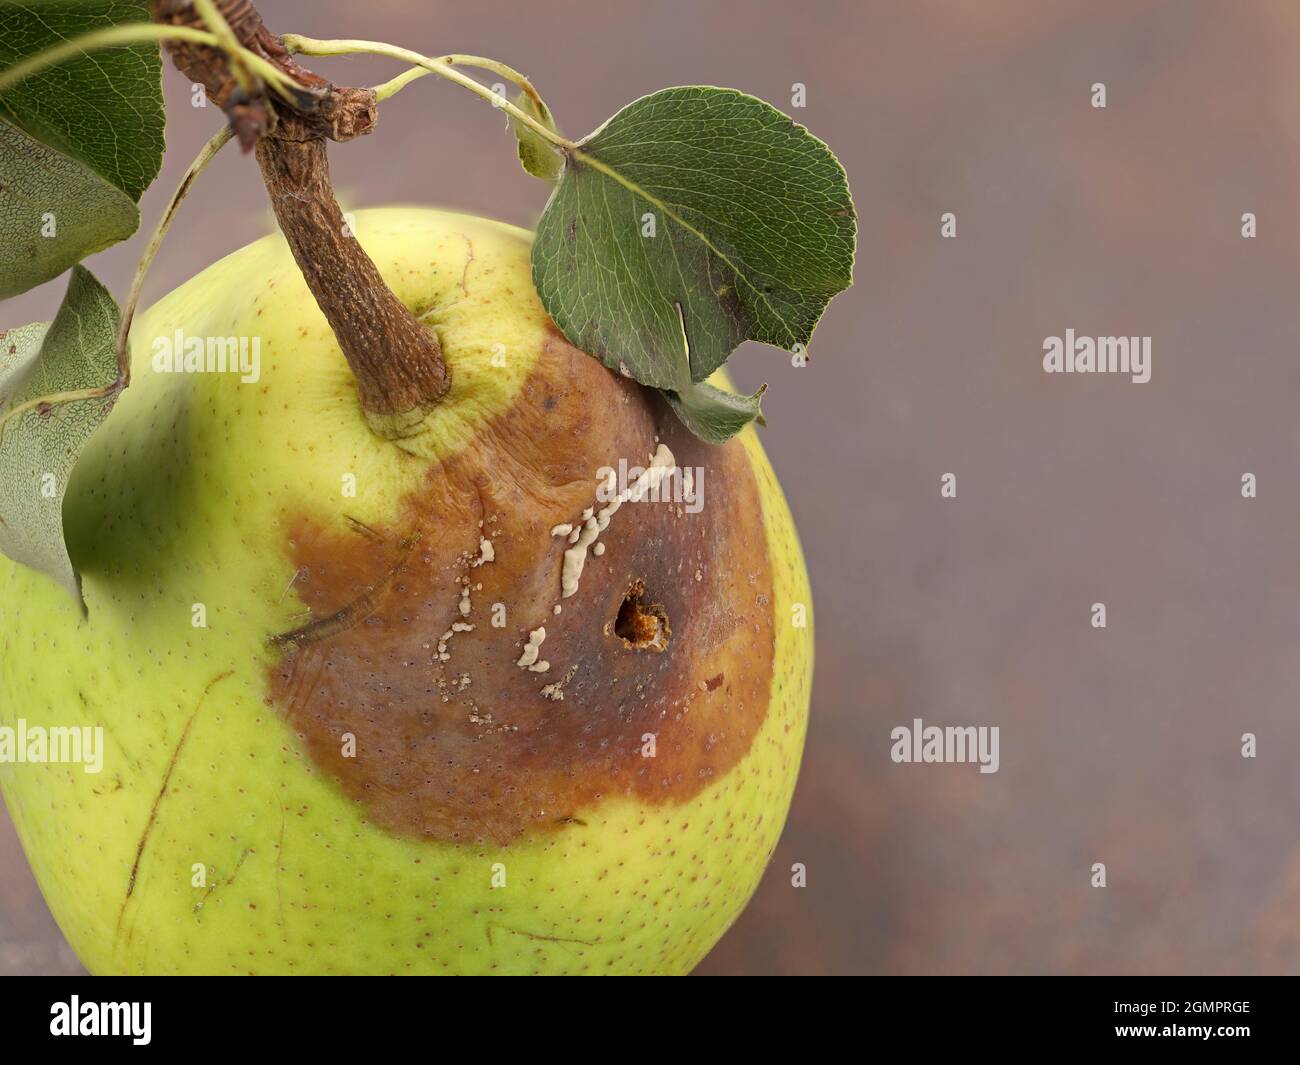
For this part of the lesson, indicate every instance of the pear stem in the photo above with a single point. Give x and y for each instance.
(295, 42)
(396, 360)
(136, 33)
(393, 85)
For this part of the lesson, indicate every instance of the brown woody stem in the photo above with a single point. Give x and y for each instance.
(397, 361)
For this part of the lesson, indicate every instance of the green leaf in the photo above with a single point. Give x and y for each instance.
(713, 415)
(79, 141)
(53, 212)
(695, 209)
(40, 445)
(536, 153)
(104, 109)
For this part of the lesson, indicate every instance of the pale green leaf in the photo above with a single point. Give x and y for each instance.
(54, 212)
(536, 153)
(40, 446)
(713, 415)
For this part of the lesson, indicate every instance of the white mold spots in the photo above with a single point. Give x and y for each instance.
(486, 552)
(528, 660)
(660, 469)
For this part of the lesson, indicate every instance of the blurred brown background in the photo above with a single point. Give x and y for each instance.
(1119, 745)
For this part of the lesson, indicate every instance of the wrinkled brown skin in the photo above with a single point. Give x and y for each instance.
(366, 663)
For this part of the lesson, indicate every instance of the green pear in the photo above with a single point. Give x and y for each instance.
(471, 701)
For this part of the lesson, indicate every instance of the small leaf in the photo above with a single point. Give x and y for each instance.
(536, 153)
(695, 209)
(105, 108)
(713, 415)
(39, 446)
(54, 212)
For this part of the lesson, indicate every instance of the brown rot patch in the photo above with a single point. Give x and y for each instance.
(408, 634)
(640, 625)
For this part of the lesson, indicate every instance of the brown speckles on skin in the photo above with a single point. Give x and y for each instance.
(499, 758)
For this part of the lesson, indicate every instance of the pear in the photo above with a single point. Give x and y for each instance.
(476, 700)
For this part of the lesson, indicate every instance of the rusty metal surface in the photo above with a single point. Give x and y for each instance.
(1118, 745)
